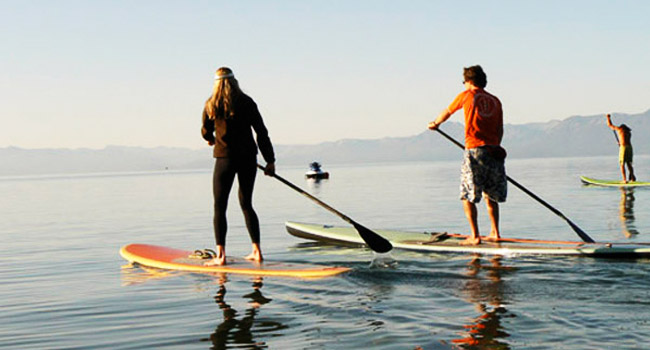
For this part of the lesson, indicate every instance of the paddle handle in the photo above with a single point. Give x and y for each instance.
(575, 228)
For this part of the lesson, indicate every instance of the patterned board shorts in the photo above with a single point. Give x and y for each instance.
(482, 174)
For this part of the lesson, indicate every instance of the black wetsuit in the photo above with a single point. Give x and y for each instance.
(235, 151)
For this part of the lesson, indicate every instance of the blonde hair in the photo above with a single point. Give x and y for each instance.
(224, 93)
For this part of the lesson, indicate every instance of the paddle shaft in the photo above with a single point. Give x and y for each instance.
(583, 235)
(304, 193)
(372, 239)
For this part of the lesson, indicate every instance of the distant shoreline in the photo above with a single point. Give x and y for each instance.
(611, 161)
(572, 137)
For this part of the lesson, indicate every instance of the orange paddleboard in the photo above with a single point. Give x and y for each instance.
(178, 259)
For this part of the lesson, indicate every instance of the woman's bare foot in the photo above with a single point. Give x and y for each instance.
(218, 261)
(256, 254)
(471, 241)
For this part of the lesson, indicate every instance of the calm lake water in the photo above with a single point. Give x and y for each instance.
(63, 284)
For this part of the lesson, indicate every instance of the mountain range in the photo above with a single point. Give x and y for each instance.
(576, 136)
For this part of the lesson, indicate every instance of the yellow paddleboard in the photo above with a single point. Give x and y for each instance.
(612, 183)
(178, 259)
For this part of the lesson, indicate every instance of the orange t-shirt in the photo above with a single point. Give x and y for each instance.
(483, 117)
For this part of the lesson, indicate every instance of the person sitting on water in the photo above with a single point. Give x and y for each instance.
(625, 154)
(483, 171)
(315, 166)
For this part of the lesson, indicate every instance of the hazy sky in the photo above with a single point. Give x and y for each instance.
(94, 73)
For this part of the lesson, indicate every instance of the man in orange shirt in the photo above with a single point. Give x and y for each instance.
(483, 171)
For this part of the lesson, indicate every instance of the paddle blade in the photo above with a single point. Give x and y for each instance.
(372, 239)
(585, 237)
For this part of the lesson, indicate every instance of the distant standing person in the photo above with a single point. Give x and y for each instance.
(625, 154)
(229, 116)
(483, 170)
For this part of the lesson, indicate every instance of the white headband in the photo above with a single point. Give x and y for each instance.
(228, 75)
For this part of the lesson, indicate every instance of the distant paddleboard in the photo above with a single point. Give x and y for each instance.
(184, 260)
(442, 242)
(612, 183)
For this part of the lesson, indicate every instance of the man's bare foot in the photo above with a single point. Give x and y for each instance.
(471, 241)
(493, 237)
(218, 261)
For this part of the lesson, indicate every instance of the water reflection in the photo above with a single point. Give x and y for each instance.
(133, 274)
(314, 185)
(235, 330)
(486, 292)
(626, 212)
(238, 332)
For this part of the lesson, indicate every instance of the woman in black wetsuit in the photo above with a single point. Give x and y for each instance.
(228, 117)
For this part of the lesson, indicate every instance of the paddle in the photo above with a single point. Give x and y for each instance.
(372, 239)
(584, 236)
